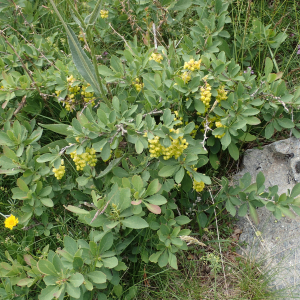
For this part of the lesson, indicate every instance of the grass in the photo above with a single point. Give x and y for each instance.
(243, 279)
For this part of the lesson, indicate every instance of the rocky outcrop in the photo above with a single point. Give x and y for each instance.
(275, 243)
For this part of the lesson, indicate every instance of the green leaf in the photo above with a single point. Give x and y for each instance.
(76, 210)
(167, 171)
(200, 177)
(163, 259)
(9, 153)
(22, 185)
(47, 202)
(233, 151)
(73, 291)
(286, 211)
(60, 143)
(268, 66)
(110, 262)
(49, 292)
(97, 277)
(112, 164)
(253, 214)
(155, 256)
(153, 188)
(70, 245)
(295, 191)
(202, 219)
(214, 160)
(269, 130)
(120, 172)
(46, 267)
(5, 140)
(25, 282)
(77, 262)
(46, 157)
(199, 106)
(139, 147)
(102, 116)
(296, 209)
(285, 123)
(58, 128)
(118, 290)
(81, 60)
(260, 180)
(182, 220)
(179, 175)
(137, 183)
(106, 242)
(135, 222)
(153, 208)
(226, 140)
(243, 210)
(247, 137)
(230, 208)
(172, 261)
(182, 5)
(157, 199)
(105, 153)
(105, 71)
(76, 279)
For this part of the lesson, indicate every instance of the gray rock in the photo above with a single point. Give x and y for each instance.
(275, 243)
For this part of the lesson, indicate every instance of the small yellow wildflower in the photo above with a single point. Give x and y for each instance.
(156, 57)
(192, 65)
(104, 14)
(11, 222)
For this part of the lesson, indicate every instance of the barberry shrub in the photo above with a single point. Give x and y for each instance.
(147, 126)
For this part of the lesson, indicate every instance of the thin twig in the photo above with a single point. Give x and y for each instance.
(206, 129)
(154, 34)
(21, 105)
(99, 212)
(221, 255)
(121, 37)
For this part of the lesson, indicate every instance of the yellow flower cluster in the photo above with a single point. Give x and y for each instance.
(70, 101)
(205, 96)
(156, 57)
(88, 97)
(222, 94)
(198, 186)
(104, 14)
(60, 172)
(138, 84)
(176, 149)
(218, 125)
(186, 77)
(192, 65)
(177, 118)
(11, 222)
(81, 160)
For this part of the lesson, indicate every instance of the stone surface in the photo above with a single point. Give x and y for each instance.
(275, 243)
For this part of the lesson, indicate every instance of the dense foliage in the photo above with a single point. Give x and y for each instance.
(138, 136)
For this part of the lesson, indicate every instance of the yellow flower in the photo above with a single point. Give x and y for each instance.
(104, 14)
(11, 222)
